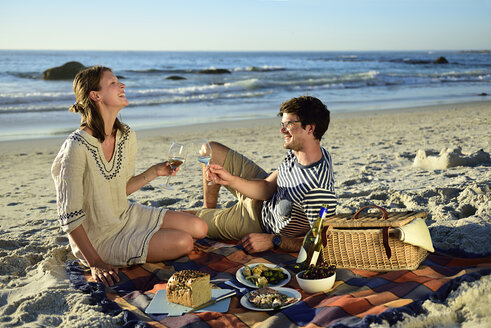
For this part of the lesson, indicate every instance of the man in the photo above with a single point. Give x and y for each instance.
(276, 210)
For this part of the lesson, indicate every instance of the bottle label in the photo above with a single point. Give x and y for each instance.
(315, 256)
(302, 255)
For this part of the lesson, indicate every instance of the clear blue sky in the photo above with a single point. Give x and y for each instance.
(245, 24)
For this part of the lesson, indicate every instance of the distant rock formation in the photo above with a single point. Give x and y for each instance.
(65, 72)
(175, 77)
(485, 51)
(441, 60)
(215, 71)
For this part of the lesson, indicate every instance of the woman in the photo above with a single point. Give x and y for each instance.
(94, 173)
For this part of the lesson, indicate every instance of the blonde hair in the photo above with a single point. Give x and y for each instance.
(85, 81)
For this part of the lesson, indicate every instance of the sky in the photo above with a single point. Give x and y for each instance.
(246, 25)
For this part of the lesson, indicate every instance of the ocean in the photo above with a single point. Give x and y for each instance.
(253, 86)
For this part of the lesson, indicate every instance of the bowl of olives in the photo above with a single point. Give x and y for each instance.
(317, 278)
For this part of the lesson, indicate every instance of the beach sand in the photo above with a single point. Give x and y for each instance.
(373, 155)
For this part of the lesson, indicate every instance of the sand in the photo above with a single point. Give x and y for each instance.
(434, 159)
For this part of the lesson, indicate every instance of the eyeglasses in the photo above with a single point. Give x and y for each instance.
(287, 125)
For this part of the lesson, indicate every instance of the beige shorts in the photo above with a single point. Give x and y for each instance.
(244, 217)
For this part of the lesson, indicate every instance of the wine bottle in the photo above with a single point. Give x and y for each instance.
(312, 243)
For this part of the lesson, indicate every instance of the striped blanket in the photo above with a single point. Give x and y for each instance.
(358, 299)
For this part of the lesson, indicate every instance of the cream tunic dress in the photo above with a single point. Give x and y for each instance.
(92, 192)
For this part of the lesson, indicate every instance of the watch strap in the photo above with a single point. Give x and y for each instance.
(276, 241)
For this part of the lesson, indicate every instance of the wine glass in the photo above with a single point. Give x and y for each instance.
(176, 157)
(203, 151)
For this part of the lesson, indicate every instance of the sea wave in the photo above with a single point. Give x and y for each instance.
(27, 75)
(182, 99)
(264, 68)
(248, 84)
(225, 89)
(143, 92)
(160, 71)
(154, 100)
(33, 108)
(469, 76)
(33, 97)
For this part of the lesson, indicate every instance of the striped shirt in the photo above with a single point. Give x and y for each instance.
(301, 192)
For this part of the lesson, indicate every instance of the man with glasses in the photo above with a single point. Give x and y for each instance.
(273, 210)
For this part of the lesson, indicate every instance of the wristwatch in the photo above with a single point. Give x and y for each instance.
(276, 241)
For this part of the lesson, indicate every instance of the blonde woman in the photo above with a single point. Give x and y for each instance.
(94, 172)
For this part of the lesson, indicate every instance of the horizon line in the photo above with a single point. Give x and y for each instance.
(196, 50)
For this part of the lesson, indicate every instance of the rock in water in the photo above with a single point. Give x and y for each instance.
(215, 71)
(65, 72)
(175, 77)
(441, 60)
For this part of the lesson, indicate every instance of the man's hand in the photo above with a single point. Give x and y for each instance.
(218, 174)
(257, 242)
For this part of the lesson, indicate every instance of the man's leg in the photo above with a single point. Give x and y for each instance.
(210, 192)
(244, 216)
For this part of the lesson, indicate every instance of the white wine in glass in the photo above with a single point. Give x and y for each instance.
(203, 152)
(176, 157)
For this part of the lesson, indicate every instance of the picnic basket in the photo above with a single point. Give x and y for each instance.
(370, 241)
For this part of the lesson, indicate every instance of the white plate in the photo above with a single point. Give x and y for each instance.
(284, 290)
(160, 305)
(242, 280)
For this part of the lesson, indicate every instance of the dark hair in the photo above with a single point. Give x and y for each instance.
(309, 110)
(85, 81)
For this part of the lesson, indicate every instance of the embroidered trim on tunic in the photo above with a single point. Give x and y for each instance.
(94, 150)
(67, 218)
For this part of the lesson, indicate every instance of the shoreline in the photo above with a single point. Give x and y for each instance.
(56, 141)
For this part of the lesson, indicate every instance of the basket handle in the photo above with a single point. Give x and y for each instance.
(385, 216)
(385, 241)
(326, 231)
(385, 230)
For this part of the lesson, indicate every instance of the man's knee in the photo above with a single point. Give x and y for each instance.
(218, 152)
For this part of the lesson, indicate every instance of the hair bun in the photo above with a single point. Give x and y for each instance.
(76, 108)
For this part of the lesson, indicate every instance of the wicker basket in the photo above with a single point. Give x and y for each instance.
(370, 242)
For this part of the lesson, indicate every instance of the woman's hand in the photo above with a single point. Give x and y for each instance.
(101, 271)
(164, 169)
(105, 273)
(138, 181)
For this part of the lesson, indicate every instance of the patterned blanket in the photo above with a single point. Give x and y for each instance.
(358, 299)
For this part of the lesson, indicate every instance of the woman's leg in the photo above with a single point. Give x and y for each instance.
(168, 244)
(176, 236)
(186, 222)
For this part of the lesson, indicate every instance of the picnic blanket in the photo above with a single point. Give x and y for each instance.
(357, 299)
